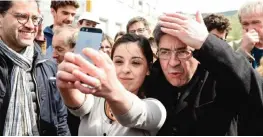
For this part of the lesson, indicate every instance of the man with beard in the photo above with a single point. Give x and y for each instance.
(63, 13)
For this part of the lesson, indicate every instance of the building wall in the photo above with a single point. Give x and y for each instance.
(113, 14)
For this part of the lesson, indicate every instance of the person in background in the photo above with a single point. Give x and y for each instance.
(106, 44)
(64, 40)
(88, 19)
(30, 103)
(112, 102)
(119, 35)
(251, 18)
(139, 26)
(63, 13)
(218, 25)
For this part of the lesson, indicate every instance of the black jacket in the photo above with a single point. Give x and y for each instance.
(224, 97)
(52, 111)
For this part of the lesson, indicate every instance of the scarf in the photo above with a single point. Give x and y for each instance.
(20, 119)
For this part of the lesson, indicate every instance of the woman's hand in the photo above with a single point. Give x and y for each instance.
(65, 82)
(100, 77)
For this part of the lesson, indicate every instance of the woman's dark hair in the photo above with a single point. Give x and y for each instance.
(144, 45)
(142, 42)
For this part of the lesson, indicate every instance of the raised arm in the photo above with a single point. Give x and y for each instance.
(77, 102)
(129, 110)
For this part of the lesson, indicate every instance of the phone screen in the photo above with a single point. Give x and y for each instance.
(88, 37)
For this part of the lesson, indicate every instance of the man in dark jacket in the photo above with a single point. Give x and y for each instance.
(30, 103)
(206, 87)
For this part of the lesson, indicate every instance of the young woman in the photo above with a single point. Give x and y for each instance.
(109, 99)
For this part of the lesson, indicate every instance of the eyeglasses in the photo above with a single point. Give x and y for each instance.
(180, 54)
(24, 18)
(140, 31)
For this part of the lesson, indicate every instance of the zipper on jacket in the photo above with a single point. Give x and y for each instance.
(37, 93)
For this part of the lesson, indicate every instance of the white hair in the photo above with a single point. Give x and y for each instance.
(252, 7)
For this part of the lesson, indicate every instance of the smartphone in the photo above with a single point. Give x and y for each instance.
(88, 37)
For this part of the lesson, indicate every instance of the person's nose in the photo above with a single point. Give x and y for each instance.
(30, 25)
(70, 18)
(174, 61)
(126, 68)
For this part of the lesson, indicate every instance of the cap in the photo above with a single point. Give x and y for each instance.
(89, 16)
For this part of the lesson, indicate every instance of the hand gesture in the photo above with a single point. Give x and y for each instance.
(189, 31)
(249, 39)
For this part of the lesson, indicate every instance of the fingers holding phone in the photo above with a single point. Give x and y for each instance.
(102, 78)
(64, 78)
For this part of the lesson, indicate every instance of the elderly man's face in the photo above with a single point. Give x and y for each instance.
(177, 71)
(60, 47)
(252, 21)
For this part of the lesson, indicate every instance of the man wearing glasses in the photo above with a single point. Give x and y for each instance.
(30, 103)
(139, 26)
(205, 86)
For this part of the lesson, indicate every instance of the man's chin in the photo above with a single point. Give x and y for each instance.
(177, 83)
(26, 43)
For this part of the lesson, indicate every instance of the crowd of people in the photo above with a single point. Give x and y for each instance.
(182, 78)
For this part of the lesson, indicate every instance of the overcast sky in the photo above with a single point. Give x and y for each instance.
(191, 6)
